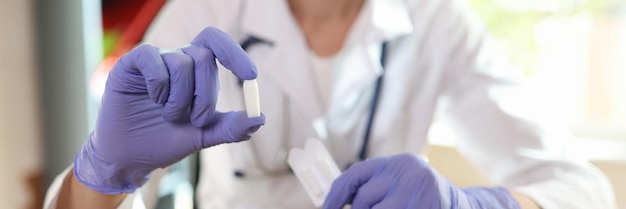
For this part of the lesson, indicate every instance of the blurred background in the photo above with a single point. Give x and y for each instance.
(52, 51)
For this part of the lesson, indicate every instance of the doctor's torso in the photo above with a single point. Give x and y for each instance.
(254, 174)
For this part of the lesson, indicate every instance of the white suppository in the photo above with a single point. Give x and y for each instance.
(251, 97)
(315, 168)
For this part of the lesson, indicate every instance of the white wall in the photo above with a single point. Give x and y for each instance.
(20, 135)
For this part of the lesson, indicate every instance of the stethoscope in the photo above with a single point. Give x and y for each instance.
(252, 41)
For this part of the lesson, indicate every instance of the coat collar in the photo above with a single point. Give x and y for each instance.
(271, 20)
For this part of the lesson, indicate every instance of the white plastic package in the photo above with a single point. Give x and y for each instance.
(315, 169)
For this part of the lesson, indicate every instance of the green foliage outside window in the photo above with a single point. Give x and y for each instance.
(514, 27)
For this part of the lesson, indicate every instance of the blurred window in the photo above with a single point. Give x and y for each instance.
(575, 49)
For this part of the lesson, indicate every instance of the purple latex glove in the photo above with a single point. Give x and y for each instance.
(406, 181)
(159, 107)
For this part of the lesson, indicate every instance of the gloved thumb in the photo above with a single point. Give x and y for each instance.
(230, 127)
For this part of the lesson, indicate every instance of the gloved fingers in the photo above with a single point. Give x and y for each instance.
(404, 193)
(230, 127)
(180, 67)
(375, 190)
(140, 70)
(345, 187)
(385, 204)
(421, 194)
(227, 51)
(206, 85)
(395, 184)
(415, 186)
(393, 201)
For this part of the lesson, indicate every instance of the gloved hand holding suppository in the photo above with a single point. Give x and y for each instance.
(159, 107)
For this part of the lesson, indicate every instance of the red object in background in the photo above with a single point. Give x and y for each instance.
(132, 19)
(118, 13)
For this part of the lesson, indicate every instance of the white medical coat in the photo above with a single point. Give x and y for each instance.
(440, 60)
